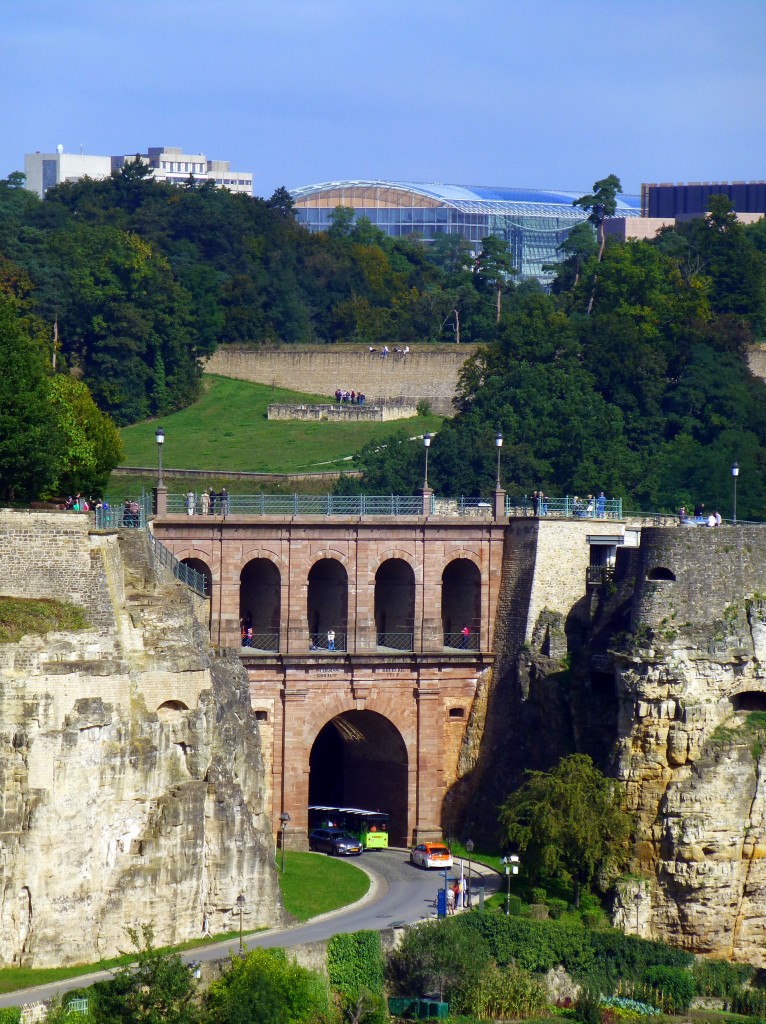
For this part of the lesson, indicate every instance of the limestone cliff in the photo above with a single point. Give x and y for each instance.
(690, 672)
(131, 778)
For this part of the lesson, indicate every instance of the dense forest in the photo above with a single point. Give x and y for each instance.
(630, 377)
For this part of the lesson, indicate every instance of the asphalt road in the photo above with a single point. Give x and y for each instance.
(399, 894)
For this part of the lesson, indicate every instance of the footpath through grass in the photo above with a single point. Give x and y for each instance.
(314, 884)
(227, 429)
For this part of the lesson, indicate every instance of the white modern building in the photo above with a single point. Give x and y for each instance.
(44, 170)
(168, 163)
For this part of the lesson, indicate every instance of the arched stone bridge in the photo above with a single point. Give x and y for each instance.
(370, 637)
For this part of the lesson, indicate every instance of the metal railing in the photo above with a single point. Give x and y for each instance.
(396, 641)
(462, 641)
(181, 571)
(299, 504)
(565, 507)
(597, 574)
(268, 641)
(323, 642)
(131, 515)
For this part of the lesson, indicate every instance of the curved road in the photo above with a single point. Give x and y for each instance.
(399, 894)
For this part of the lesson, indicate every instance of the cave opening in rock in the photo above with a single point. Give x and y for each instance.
(750, 700)
(359, 760)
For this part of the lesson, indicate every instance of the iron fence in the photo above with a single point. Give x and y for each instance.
(328, 642)
(298, 504)
(597, 574)
(564, 507)
(131, 515)
(462, 641)
(162, 556)
(268, 641)
(396, 641)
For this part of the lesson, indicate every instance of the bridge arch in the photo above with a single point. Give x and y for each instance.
(394, 604)
(327, 601)
(461, 603)
(260, 603)
(359, 758)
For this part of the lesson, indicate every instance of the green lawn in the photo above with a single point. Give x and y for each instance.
(227, 429)
(314, 884)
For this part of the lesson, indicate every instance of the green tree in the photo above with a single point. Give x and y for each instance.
(570, 822)
(494, 265)
(157, 989)
(601, 203)
(93, 444)
(264, 987)
(437, 956)
(32, 441)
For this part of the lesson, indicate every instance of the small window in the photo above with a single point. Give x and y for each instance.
(457, 713)
(659, 572)
(261, 716)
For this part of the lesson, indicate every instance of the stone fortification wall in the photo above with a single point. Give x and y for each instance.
(131, 775)
(688, 674)
(428, 372)
(341, 412)
(756, 358)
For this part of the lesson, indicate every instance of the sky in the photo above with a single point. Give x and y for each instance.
(527, 93)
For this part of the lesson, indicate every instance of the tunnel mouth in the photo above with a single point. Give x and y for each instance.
(359, 759)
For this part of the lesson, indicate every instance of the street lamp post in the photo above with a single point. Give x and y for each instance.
(159, 437)
(284, 817)
(511, 865)
(498, 445)
(469, 851)
(426, 445)
(735, 474)
(240, 907)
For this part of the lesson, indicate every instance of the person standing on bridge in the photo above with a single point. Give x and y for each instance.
(205, 502)
(330, 639)
(191, 501)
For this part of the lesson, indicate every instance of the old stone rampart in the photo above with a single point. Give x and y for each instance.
(428, 372)
(380, 411)
(131, 774)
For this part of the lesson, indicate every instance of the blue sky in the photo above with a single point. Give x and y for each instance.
(529, 93)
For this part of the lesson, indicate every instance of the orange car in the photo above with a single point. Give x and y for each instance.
(431, 855)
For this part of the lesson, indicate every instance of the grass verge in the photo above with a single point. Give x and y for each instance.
(227, 429)
(21, 616)
(314, 884)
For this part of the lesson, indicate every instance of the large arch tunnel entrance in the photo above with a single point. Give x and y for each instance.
(359, 760)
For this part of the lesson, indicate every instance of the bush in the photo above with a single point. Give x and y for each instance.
(556, 908)
(670, 988)
(505, 992)
(588, 1007)
(720, 978)
(355, 967)
(749, 1001)
(10, 1014)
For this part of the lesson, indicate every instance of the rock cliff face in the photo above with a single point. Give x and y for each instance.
(131, 779)
(691, 682)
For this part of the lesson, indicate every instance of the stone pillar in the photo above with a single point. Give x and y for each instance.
(427, 496)
(499, 504)
(160, 494)
(295, 770)
(430, 766)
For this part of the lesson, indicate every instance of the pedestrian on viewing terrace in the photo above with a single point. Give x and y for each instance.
(205, 502)
(224, 502)
(191, 501)
(212, 502)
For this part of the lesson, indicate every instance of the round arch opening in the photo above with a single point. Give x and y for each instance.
(395, 605)
(749, 700)
(359, 759)
(461, 604)
(327, 604)
(260, 604)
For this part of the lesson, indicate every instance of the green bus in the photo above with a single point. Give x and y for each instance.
(369, 827)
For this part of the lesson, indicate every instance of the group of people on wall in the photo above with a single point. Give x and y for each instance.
(699, 517)
(343, 397)
(207, 502)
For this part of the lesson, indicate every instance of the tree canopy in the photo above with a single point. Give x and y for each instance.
(570, 823)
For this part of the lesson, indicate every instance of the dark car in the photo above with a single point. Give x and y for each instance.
(335, 841)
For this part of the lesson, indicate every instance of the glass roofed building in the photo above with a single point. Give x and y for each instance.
(532, 222)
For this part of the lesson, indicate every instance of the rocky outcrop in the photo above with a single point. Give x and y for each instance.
(691, 679)
(131, 778)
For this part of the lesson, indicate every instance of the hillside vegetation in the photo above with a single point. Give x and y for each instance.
(227, 429)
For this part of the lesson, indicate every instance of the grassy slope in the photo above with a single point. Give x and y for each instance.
(21, 616)
(228, 430)
(314, 884)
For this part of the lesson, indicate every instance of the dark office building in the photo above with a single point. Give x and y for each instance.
(692, 199)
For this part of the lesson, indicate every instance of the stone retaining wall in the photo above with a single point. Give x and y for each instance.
(428, 372)
(342, 412)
